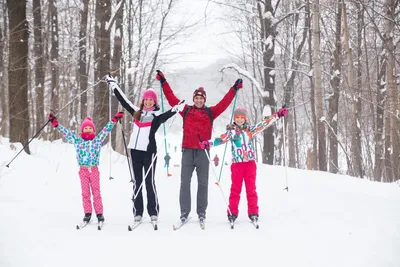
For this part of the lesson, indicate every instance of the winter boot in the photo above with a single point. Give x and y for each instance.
(184, 217)
(253, 217)
(153, 218)
(87, 217)
(232, 217)
(202, 216)
(100, 217)
(138, 218)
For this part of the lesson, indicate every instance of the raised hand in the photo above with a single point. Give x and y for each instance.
(117, 116)
(238, 84)
(53, 120)
(160, 76)
(282, 112)
(179, 107)
(110, 79)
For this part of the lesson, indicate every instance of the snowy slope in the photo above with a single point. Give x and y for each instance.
(324, 219)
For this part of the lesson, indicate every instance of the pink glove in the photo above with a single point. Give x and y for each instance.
(53, 120)
(282, 112)
(205, 145)
(118, 116)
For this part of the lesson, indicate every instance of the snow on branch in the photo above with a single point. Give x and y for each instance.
(246, 74)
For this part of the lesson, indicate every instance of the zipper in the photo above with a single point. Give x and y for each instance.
(141, 119)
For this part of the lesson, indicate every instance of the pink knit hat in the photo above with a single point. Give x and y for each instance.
(149, 93)
(88, 122)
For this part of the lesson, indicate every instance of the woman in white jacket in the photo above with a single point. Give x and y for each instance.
(143, 147)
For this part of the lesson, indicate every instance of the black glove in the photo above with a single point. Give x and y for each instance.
(160, 76)
(238, 84)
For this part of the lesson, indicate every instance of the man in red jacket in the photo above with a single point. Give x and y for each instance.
(197, 126)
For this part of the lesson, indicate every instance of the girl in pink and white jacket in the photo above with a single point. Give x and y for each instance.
(243, 166)
(88, 146)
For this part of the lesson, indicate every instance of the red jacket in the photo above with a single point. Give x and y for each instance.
(197, 125)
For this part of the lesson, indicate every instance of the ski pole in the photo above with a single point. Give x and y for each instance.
(144, 178)
(109, 135)
(284, 155)
(216, 178)
(165, 134)
(8, 165)
(126, 152)
(226, 145)
(217, 182)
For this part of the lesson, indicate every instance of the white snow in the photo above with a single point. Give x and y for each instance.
(323, 220)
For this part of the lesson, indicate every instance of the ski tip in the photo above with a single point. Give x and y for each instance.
(155, 227)
(257, 226)
(169, 175)
(77, 227)
(129, 228)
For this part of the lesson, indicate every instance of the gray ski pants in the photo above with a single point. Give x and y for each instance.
(194, 159)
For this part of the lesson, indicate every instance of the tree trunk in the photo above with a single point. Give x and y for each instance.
(267, 36)
(393, 100)
(4, 123)
(314, 129)
(359, 166)
(102, 59)
(18, 72)
(116, 67)
(53, 17)
(83, 73)
(380, 107)
(336, 70)
(39, 63)
(318, 87)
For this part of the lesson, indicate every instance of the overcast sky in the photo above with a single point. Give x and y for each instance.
(206, 44)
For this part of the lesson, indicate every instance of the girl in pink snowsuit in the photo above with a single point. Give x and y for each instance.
(88, 146)
(243, 166)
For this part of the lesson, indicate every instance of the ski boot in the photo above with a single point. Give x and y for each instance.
(87, 217)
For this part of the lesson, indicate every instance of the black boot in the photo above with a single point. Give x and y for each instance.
(87, 217)
(232, 217)
(100, 217)
(253, 217)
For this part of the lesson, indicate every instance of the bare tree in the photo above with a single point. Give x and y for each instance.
(18, 71)
(318, 86)
(102, 58)
(39, 62)
(53, 22)
(83, 72)
(333, 109)
(393, 96)
(267, 35)
(4, 123)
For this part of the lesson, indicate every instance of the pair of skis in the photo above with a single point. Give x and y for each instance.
(133, 226)
(253, 222)
(182, 223)
(84, 224)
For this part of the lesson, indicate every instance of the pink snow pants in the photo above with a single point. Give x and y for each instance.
(90, 181)
(243, 171)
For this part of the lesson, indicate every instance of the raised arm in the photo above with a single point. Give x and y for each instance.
(227, 99)
(169, 95)
(108, 128)
(101, 136)
(163, 117)
(267, 122)
(67, 134)
(131, 108)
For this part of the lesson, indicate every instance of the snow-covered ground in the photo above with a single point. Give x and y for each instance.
(323, 220)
